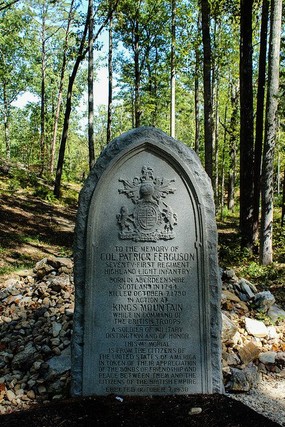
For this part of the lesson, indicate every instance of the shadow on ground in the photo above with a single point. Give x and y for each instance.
(168, 411)
(32, 229)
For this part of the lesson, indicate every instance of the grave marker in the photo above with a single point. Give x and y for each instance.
(147, 317)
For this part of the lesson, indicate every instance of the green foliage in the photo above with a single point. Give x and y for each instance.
(20, 262)
(255, 270)
(44, 193)
(21, 178)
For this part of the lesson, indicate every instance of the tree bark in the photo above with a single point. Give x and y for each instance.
(8, 5)
(222, 191)
(233, 148)
(197, 98)
(216, 141)
(6, 123)
(80, 57)
(266, 251)
(60, 89)
(283, 203)
(110, 83)
(90, 86)
(172, 69)
(260, 118)
(43, 77)
(246, 125)
(208, 108)
(137, 74)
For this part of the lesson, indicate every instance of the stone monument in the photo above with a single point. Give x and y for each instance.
(147, 315)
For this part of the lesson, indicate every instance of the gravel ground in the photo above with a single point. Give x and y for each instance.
(267, 398)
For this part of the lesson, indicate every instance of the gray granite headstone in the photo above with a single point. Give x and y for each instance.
(147, 315)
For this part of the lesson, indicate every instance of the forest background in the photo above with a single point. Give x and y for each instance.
(210, 73)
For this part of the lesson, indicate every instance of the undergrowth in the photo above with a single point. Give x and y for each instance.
(244, 262)
(14, 178)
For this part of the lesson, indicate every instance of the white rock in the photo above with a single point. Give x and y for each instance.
(10, 395)
(195, 411)
(272, 333)
(229, 328)
(255, 328)
(236, 339)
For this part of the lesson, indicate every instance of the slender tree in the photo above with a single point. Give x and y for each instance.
(246, 125)
(110, 80)
(43, 83)
(61, 85)
(80, 56)
(197, 101)
(266, 251)
(259, 125)
(208, 107)
(172, 68)
(91, 85)
(283, 202)
(233, 147)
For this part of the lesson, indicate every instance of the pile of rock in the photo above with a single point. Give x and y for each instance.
(36, 313)
(253, 336)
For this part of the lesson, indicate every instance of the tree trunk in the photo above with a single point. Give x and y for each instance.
(208, 108)
(222, 191)
(80, 57)
(233, 148)
(90, 87)
(197, 116)
(60, 89)
(43, 76)
(6, 122)
(283, 203)
(216, 141)
(137, 75)
(259, 118)
(172, 69)
(197, 102)
(266, 252)
(110, 86)
(246, 125)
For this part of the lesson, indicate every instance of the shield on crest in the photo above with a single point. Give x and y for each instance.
(146, 216)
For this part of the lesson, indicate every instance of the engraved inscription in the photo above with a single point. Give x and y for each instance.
(151, 219)
(148, 346)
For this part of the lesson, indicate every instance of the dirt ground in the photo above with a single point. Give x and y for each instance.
(167, 411)
(32, 229)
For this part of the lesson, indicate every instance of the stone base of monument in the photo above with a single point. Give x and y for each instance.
(195, 410)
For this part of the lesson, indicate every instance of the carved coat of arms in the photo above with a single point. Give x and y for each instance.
(151, 219)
